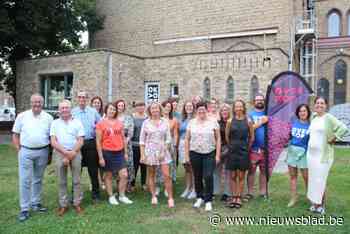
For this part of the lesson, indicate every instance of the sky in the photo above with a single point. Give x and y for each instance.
(84, 38)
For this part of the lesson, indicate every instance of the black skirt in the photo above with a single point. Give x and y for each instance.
(114, 161)
(238, 158)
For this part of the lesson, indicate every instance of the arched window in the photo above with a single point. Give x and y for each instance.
(334, 24)
(340, 82)
(206, 89)
(230, 89)
(323, 88)
(254, 87)
(348, 23)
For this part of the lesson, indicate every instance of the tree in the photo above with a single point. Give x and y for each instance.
(31, 28)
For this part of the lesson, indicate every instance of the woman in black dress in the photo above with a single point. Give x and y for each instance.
(239, 136)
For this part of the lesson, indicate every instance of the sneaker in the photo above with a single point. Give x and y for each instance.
(292, 202)
(320, 210)
(157, 191)
(185, 193)
(125, 200)
(312, 208)
(208, 206)
(39, 208)
(113, 201)
(192, 195)
(23, 216)
(166, 193)
(154, 201)
(198, 203)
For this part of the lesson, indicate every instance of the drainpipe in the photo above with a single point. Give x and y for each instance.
(110, 76)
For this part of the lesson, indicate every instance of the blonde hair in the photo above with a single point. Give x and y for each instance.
(225, 105)
(148, 111)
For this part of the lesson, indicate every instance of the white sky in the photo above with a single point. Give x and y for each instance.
(84, 38)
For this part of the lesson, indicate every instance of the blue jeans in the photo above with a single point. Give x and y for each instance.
(31, 168)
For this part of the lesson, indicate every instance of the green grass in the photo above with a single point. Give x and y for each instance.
(142, 218)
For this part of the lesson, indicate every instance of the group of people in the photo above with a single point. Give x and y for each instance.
(220, 147)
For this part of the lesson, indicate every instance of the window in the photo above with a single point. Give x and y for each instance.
(230, 89)
(334, 24)
(55, 88)
(340, 82)
(323, 88)
(254, 88)
(349, 23)
(174, 90)
(206, 89)
(306, 61)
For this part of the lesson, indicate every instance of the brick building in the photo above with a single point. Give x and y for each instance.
(225, 49)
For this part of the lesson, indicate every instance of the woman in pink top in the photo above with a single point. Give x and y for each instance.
(155, 143)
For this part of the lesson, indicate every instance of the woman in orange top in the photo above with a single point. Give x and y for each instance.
(112, 153)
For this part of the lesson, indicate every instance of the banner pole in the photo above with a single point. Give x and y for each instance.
(266, 153)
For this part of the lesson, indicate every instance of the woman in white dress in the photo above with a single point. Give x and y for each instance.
(325, 129)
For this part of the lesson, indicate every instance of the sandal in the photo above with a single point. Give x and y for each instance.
(247, 197)
(171, 203)
(232, 202)
(238, 202)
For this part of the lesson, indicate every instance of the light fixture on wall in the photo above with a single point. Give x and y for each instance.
(339, 51)
(339, 81)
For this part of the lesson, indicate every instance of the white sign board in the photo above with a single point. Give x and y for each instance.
(152, 92)
(342, 112)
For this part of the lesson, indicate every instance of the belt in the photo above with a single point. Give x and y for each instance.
(35, 148)
(91, 139)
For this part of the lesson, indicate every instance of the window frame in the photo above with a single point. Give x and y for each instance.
(342, 86)
(45, 81)
(206, 89)
(338, 13)
(230, 89)
(253, 90)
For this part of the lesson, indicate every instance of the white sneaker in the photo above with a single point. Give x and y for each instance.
(198, 203)
(208, 206)
(125, 200)
(185, 193)
(113, 201)
(166, 193)
(157, 191)
(192, 195)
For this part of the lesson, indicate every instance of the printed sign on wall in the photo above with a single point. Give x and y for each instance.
(152, 92)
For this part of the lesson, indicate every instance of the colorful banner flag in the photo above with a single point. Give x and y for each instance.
(287, 91)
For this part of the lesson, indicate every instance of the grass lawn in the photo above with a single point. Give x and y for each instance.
(141, 217)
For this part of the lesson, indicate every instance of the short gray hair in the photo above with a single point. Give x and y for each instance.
(37, 95)
(65, 101)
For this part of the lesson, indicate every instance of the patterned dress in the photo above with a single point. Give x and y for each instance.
(128, 123)
(159, 177)
(155, 138)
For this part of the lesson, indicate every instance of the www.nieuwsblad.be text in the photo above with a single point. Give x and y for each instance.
(217, 219)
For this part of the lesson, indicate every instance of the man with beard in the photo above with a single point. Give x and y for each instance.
(256, 155)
